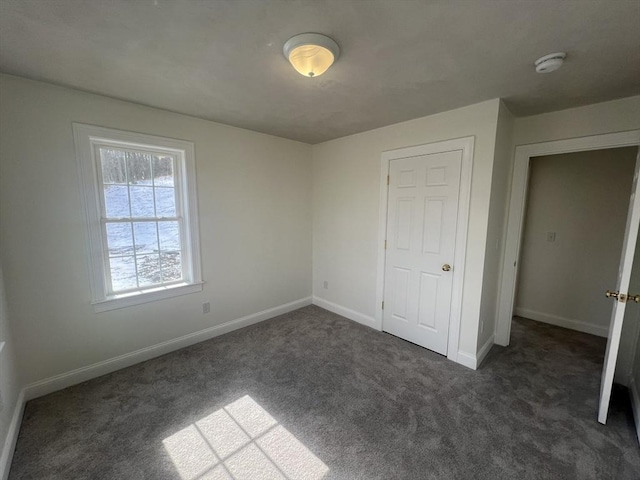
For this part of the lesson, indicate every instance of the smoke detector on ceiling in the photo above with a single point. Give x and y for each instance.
(550, 63)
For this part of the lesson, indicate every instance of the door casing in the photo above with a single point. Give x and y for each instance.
(517, 208)
(465, 145)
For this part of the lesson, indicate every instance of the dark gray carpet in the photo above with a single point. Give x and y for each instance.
(313, 395)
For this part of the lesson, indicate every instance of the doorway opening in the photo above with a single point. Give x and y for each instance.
(572, 237)
(572, 240)
(546, 280)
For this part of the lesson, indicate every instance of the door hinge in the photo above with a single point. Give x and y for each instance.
(385, 244)
(382, 305)
(388, 180)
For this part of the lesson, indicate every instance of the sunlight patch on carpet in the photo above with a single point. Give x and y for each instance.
(241, 441)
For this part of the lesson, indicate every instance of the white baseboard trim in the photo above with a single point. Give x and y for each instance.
(464, 358)
(346, 312)
(484, 351)
(12, 437)
(467, 360)
(79, 375)
(635, 404)
(563, 322)
(473, 361)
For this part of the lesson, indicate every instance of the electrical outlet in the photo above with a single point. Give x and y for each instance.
(326, 285)
(551, 237)
(206, 307)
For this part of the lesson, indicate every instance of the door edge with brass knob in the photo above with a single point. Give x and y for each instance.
(446, 267)
(622, 297)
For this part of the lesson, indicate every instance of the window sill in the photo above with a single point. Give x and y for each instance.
(147, 296)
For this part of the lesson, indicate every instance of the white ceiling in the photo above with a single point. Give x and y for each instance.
(401, 59)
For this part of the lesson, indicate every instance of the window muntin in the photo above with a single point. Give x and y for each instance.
(141, 223)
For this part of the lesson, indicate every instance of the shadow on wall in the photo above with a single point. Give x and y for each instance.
(1, 398)
(241, 441)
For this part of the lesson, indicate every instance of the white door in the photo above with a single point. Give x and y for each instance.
(620, 296)
(421, 236)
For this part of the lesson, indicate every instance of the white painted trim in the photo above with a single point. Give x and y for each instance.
(635, 404)
(86, 138)
(346, 312)
(153, 295)
(12, 437)
(463, 358)
(64, 380)
(466, 145)
(468, 360)
(564, 322)
(472, 361)
(484, 351)
(517, 205)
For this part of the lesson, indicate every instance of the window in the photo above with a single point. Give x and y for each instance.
(140, 203)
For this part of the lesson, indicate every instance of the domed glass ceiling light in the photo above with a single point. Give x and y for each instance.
(311, 54)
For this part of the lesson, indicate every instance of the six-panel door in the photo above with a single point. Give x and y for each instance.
(421, 236)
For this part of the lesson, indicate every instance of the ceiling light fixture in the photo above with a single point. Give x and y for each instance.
(550, 63)
(311, 54)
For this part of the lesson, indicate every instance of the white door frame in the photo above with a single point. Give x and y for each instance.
(517, 206)
(466, 146)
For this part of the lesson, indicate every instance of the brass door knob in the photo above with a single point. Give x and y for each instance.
(621, 297)
(446, 267)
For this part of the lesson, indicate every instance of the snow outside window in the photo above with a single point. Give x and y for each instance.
(142, 224)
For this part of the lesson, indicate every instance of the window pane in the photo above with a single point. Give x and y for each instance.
(142, 201)
(113, 166)
(123, 273)
(169, 236)
(171, 266)
(139, 168)
(148, 269)
(119, 239)
(116, 201)
(165, 202)
(146, 237)
(163, 171)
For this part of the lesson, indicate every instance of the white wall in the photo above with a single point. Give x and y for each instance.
(599, 118)
(255, 206)
(500, 185)
(254, 197)
(346, 195)
(583, 197)
(9, 388)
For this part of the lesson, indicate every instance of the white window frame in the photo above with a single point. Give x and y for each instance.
(87, 138)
